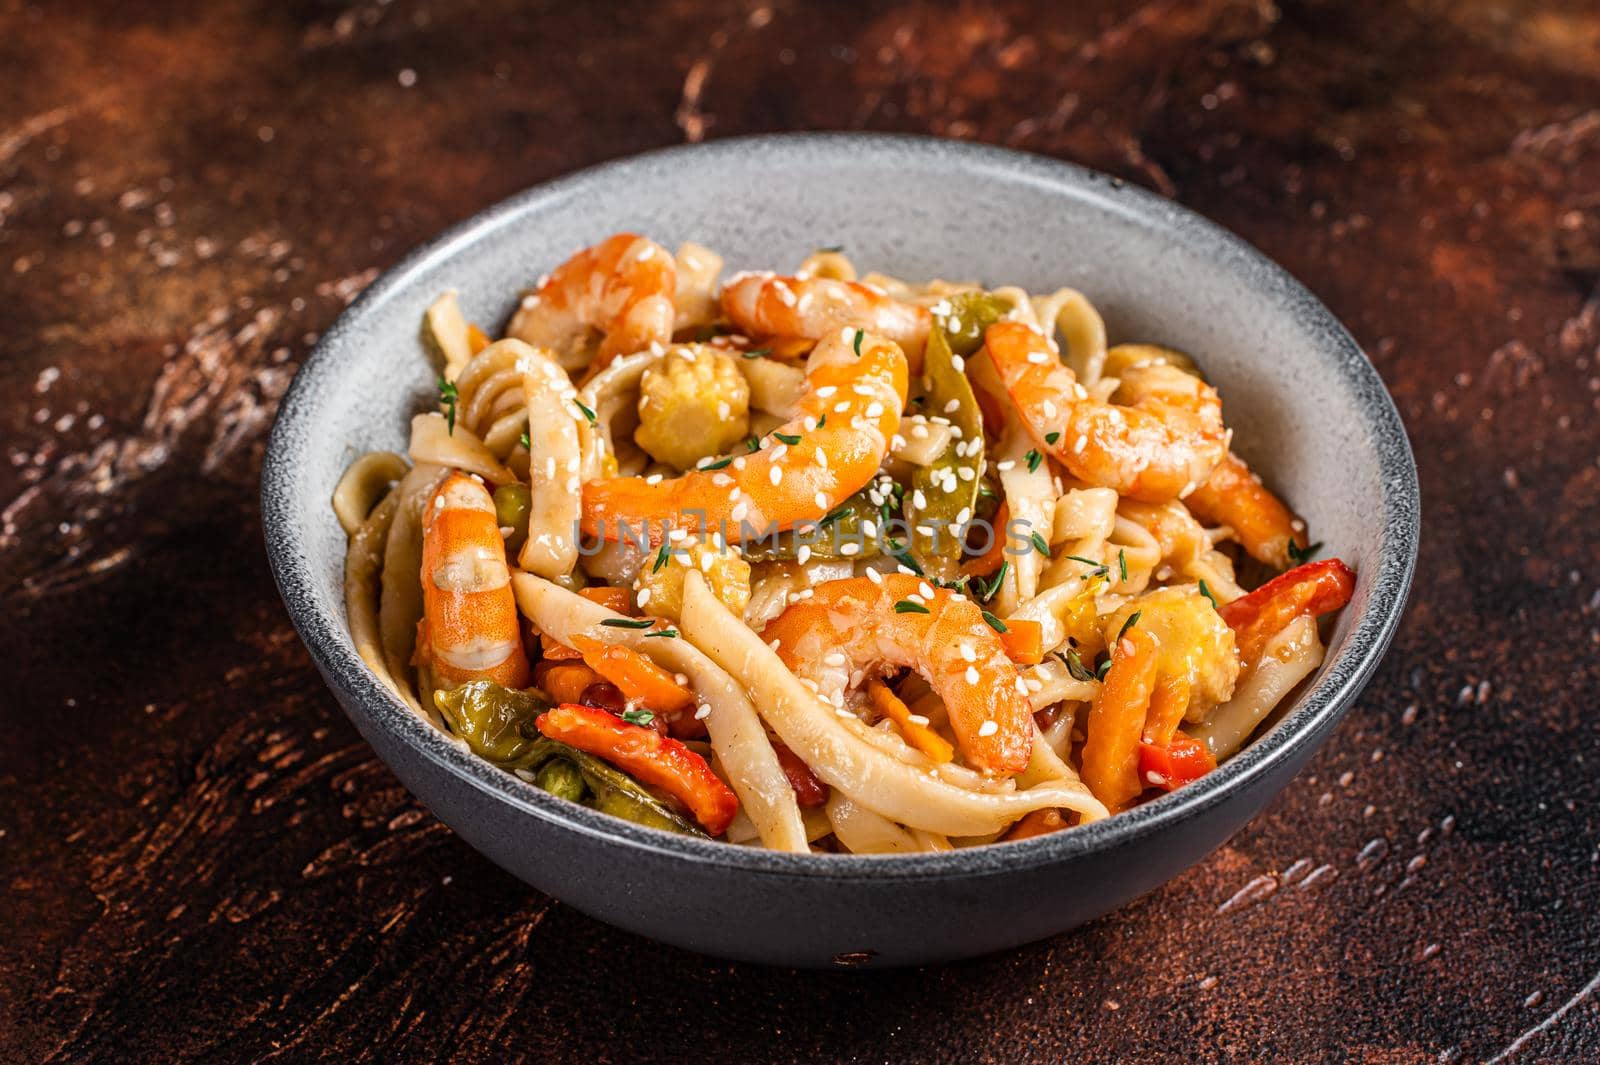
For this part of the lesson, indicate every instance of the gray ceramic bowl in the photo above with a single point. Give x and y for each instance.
(1309, 409)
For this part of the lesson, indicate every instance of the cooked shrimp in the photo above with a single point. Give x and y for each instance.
(858, 624)
(623, 286)
(1160, 443)
(831, 446)
(469, 628)
(1235, 497)
(1173, 659)
(766, 305)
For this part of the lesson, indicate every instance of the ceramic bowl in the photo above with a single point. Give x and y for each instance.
(1310, 413)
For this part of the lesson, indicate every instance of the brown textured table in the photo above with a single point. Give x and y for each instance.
(198, 856)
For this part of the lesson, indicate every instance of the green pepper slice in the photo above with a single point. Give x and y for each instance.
(948, 488)
(499, 724)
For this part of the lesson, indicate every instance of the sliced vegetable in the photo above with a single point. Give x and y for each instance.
(511, 504)
(501, 725)
(1180, 761)
(1037, 823)
(656, 760)
(809, 792)
(616, 599)
(496, 722)
(914, 729)
(944, 493)
(994, 556)
(1315, 588)
(969, 317)
(640, 679)
(565, 681)
(1024, 642)
(446, 335)
(562, 778)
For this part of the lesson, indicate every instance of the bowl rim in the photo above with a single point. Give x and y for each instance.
(1306, 726)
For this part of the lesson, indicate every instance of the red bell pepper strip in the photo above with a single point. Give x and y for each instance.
(1172, 765)
(1315, 588)
(652, 758)
(808, 790)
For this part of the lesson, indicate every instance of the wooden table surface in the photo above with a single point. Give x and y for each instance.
(201, 859)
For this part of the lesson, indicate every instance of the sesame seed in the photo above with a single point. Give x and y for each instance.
(803, 555)
(775, 475)
(968, 653)
(703, 713)
(988, 728)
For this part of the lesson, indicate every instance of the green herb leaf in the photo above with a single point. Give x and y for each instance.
(906, 606)
(901, 556)
(449, 398)
(1122, 563)
(1207, 593)
(587, 413)
(1133, 619)
(856, 344)
(834, 515)
(523, 440)
(999, 575)
(717, 465)
(1299, 555)
(1105, 667)
(787, 438)
(638, 717)
(661, 558)
(1051, 438)
(822, 421)
(627, 623)
(754, 444)
(756, 353)
(670, 634)
(994, 623)
(1040, 544)
(1033, 458)
(1100, 568)
(1075, 665)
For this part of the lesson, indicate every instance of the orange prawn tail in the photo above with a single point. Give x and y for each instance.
(470, 629)
(1233, 496)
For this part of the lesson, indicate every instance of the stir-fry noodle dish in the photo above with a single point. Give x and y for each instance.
(826, 562)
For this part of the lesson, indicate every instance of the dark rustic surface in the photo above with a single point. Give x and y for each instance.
(199, 857)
